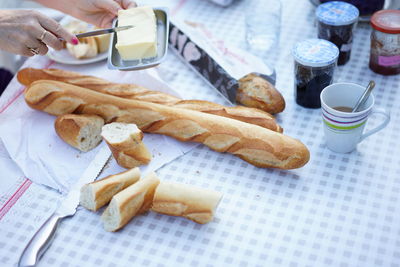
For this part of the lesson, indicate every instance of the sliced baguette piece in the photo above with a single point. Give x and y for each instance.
(196, 204)
(97, 194)
(80, 131)
(125, 143)
(130, 202)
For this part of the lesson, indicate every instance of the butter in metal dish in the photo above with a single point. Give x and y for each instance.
(140, 41)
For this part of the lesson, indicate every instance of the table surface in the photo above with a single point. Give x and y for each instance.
(338, 210)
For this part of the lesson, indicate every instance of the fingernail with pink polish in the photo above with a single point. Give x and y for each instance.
(75, 41)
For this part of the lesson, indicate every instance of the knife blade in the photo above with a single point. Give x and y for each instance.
(43, 237)
(103, 31)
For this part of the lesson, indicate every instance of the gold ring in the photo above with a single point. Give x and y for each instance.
(34, 51)
(43, 35)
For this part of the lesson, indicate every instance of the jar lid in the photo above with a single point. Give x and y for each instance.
(315, 52)
(337, 13)
(387, 21)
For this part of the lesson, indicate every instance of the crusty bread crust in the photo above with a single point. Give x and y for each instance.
(257, 145)
(194, 203)
(245, 114)
(29, 75)
(130, 202)
(254, 91)
(69, 128)
(97, 194)
(128, 153)
(132, 91)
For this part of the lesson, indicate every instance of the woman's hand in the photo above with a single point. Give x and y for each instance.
(97, 12)
(29, 33)
(100, 12)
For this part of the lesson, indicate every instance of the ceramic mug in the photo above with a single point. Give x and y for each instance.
(343, 129)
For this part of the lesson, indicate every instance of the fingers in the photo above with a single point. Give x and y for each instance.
(35, 47)
(46, 37)
(125, 4)
(56, 30)
(109, 5)
(106, 21)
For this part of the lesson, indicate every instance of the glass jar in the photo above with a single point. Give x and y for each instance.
(366, 7)
(385, 42)
(314, 67)
(336, 23)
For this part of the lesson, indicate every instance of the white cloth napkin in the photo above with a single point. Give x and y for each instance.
(32, 142)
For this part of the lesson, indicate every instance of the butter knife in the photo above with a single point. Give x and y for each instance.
(40, 242)
(103, 31)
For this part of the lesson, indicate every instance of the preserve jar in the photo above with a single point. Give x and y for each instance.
(315, 61)
(336, 23)
(385, 42)
(366, 7)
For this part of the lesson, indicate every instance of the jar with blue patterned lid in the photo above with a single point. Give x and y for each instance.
(336, 23)
(314, 67)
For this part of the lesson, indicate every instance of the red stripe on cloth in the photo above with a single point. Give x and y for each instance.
(20, 91)
(178, 7)
(21, 190)
(14, 198)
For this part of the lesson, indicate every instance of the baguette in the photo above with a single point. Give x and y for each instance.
(245, 114)
(254, 144)
(125, 143)
(97, 194)
(130, 202)
(193, 203)
(80, 131)
(131, 91)
(255, 91)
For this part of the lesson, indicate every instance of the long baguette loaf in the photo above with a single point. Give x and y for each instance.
(240, 113)
(97, 194)
(254, 144)
(196, 204)
(132, 91)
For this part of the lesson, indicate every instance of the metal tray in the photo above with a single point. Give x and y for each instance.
(116, 63)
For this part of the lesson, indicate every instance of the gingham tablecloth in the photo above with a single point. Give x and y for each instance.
(338, 210)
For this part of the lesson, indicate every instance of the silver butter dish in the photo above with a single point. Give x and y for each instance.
(116, 63)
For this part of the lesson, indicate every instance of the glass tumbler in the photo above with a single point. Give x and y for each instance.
(263, 23)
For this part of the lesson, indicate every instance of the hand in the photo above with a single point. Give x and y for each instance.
(100, 12)
(28, 33)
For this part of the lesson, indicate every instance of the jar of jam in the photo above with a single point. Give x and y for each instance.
(314, 67)
(336, 23)
(366, 7)
(385, 42)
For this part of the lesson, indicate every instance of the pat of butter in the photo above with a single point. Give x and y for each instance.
(141, 40)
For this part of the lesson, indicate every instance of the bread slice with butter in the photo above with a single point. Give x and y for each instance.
(140, 41)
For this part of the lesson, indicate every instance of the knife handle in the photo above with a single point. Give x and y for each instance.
(40, 242)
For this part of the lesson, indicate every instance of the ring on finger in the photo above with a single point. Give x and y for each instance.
(41, 38)
(34, 51)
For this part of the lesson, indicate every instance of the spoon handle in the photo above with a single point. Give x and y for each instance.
(364, 97)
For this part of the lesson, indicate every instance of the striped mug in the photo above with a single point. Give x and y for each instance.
(343, 129)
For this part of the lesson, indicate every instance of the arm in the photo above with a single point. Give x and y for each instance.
(98, 12)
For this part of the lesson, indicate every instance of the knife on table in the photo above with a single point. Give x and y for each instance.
(103, 31)
(40, 242)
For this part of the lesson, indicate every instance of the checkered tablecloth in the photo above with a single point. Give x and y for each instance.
(338, 210)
